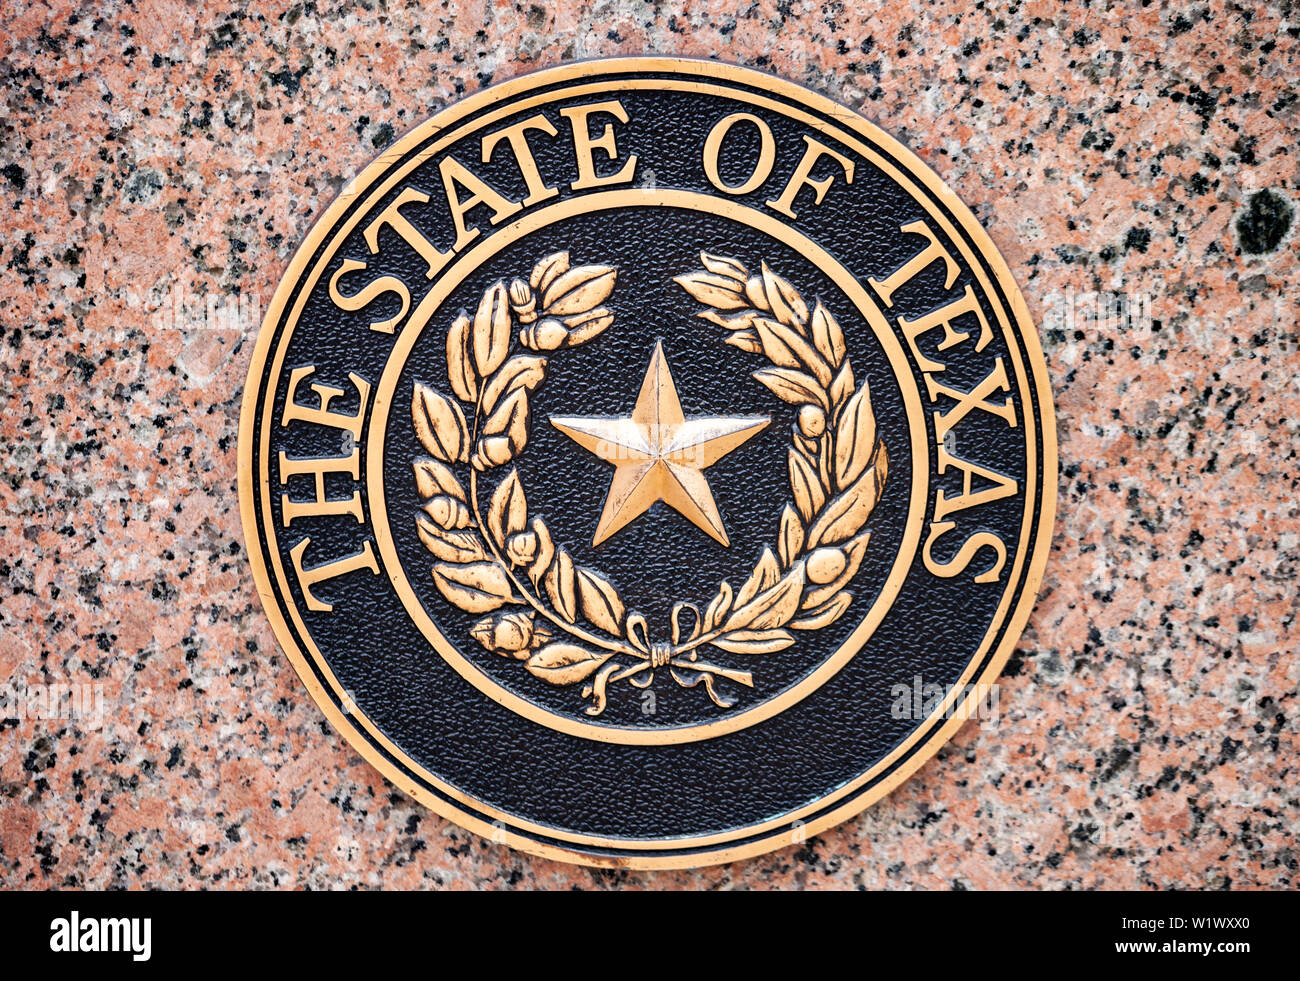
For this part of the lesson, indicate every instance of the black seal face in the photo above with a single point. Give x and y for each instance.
(647, 462)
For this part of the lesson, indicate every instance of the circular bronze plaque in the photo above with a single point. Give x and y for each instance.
(647, 463)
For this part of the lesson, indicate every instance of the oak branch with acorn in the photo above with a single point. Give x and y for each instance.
(501, 556)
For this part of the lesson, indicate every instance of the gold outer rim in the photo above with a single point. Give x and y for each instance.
(452, 133)
(906, 758)
(627, 198)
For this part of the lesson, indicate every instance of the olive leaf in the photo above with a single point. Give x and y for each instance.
(739, 321)
(523, 371)
(578, 290)
(544, 272)
(508, 510)
(587, 325)
(773, 607)
(826, 614)
(746, 340)
(460, 363)
(450, 545)
(439, 425)
(828, 338)
(766, 573)
(856, 441)
(842, 386)
(787, 306)
(755, 641)
(559, 582)
(848, 512)
(806, 486)
(565, 664)
(719, 607)
(723, 266)
(791, 536)
(492, 329)
(477, 587)
(721, 292)
(600, 601)
(793, 386)
(545, 551)
(774, 336)
(785, 347)
(432, 478)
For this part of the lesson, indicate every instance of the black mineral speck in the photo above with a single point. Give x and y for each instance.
(1137, 239)
(1265, 221)
(15, 175)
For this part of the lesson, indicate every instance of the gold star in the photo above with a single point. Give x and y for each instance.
(658, 454)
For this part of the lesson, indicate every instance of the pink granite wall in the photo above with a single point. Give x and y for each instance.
(1149, 720)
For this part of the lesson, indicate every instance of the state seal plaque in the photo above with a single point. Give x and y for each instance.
(623, 439)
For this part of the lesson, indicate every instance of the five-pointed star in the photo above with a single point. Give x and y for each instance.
(658, 454)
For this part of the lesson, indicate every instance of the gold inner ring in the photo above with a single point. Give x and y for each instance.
(473, 259)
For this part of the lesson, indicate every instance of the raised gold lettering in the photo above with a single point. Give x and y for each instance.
(392, 217)
(584, 146)
(517, 136)
(762, 166)
(802, 177)
(931, 253)
(453, 173)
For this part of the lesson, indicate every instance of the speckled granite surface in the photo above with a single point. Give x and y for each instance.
(1149, 719)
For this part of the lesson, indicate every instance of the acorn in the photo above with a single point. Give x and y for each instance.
(545, 335)
(824, 565)
(522, 548)
(491, 451)
(523, 302)
(812, 421)
(511, 634)
(447, 512)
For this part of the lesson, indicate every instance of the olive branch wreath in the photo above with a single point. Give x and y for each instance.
(489, 559)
